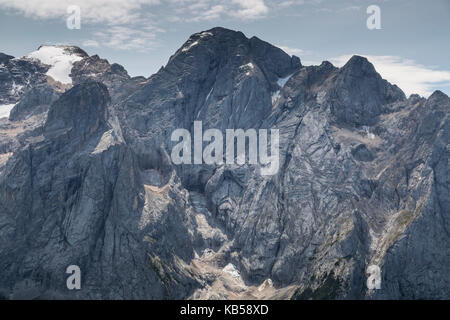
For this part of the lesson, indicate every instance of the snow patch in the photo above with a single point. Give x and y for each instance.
(206, 34)
(369, 134)
(193, 44)
(282, 81)
(61, 62)
(16, 88)
(247, 66)
(232, 270)
(275, 96)
(5, 110)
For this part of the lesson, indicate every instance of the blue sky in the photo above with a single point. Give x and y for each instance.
(412, 48)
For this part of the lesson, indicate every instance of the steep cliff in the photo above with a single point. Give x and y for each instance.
(86, 179)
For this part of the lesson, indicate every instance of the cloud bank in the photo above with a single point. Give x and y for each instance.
(409, 75)
(134, 24)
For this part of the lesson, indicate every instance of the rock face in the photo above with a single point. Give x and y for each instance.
(86, 179)
(35, 100)
(18, 75)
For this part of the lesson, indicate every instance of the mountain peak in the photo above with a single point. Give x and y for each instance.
(60, 58)
(219, 34)
(68, 49)
(82, 109)
(438, 95)
(361, 92)
(5, 57)
(229, 46)
(360, 65)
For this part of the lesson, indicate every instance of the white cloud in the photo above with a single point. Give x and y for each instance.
(292, 51)
(115, 12)
(120, 12)
(91, 43)
(133, 24)
(98, 11)
(201, 10)
(126, 38)
(410, 76)
(286, 3)
(251, 9)
(201, 13)
(123, 24)
(351, 8)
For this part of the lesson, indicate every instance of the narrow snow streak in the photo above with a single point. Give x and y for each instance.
(5, 110)
(193, 44)
(281, 82)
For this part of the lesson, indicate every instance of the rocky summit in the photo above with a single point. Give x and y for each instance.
(86, 179)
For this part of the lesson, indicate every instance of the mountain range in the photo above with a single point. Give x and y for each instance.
(86, 178)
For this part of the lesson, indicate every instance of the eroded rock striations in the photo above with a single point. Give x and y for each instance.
(86, 179)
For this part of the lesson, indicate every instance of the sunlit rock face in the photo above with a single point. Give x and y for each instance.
(86, 179)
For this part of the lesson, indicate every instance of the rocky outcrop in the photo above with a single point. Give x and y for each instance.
(114, 76)
(363, 180)
(36, 100)
(80, 186)
(18, 75)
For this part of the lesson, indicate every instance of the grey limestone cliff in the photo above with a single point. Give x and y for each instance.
(86, 178)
